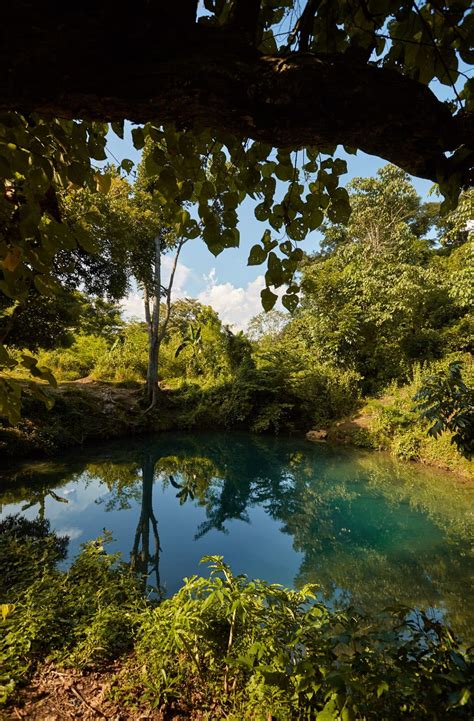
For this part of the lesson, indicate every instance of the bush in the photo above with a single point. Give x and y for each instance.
(75, 362)
(248, 649)
(83, 616)
(127, 359)
(407, 445)
(228, 646)
(27, 548)
(395, 424)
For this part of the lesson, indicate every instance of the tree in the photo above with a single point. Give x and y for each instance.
(126, 228)
(448, 403)
(381, 296)
(231, 92)
(196, 335)
(192, 340)
(250, 68)
(267, 325)
(42, 322)
(147, 267)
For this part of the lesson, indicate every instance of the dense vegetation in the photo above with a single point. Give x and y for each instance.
(225, 645)
(251, 126)
(237, 100)
(385, 309)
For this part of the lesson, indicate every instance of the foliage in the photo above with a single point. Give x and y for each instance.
(391, 421)
(265, 651)
(27, 548)
(39, 160)
(246, 648)
(46, 163)
(81, 616)
(267, 326)
(126, 358)
(77, 361)
(446, 401)
(381, 297)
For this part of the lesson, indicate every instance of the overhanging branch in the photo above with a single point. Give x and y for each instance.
(194, 74)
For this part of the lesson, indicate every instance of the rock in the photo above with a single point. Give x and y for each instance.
(320, 435)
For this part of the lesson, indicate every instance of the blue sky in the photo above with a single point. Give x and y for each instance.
(226, 282)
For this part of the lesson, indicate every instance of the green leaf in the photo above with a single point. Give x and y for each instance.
(284, 172)
(117, 127)
(257, 255)
(77, 173)
(348, 714)
(103, 182)
(127, 165)
(46, 285)
(268, 299)
(262, 212)
(230, 200)
(138, 138)
(167, 183)
(329, 713)
(290, 302)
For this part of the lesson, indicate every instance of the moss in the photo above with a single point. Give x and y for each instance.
(351, 434)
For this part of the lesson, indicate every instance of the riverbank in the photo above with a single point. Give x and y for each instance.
(83, 411)
(87, 643)
(388, 424)
(89, 410)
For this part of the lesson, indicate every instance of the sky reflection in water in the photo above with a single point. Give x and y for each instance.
(368, 529)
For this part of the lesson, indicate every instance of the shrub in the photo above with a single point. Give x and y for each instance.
(127, 359)
(248, 649)
(231, 647)
(83, 616)
(77, 361)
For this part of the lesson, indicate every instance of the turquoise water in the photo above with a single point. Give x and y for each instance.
(369, 530)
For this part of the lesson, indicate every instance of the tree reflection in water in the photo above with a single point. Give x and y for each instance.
(380, 531)
(142, 561)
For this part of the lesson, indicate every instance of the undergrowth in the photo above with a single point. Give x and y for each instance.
(393, 423)
(225, 645)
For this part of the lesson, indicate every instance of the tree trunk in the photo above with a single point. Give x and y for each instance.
(152, 317)
(142, 561)
(153, 323)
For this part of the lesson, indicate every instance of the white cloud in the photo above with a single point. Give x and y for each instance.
(132, 306)
(71, 531)
(180, 279)
(236, 306)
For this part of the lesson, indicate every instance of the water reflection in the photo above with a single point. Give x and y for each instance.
(363, 526)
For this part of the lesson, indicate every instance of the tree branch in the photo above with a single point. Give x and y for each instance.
(304, 25)
(244, 18)
(166, 318)
(208, 76)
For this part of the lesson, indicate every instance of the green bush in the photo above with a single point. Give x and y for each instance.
(27, 548)
(127, 359)
(83, 616)
(407, 445)
(226, 646)
(75, 362)
(248, 649)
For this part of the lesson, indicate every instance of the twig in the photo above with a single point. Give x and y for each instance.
(229, 645)
(86, 703)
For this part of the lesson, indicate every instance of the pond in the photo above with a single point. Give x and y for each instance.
(370, 531)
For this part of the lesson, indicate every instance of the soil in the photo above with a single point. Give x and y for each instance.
(58, 694)
(83, 410)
